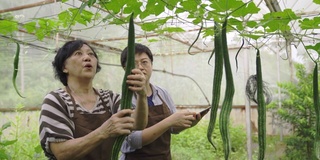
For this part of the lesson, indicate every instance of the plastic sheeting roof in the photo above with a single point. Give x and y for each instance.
(113, 38)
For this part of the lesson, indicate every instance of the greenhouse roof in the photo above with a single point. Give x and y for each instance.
(113, 38)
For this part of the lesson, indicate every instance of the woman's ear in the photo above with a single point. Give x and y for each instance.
(65, 71)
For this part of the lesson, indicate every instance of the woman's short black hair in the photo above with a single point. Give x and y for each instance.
(139, 48)
(63, 54)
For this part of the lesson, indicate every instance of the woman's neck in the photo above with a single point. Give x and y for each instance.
(149, 90)
(80, 86)
(81, 89)
(84, 95)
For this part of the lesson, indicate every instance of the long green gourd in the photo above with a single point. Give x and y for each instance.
(127, 94)
(261, 109)
(317, 110)
(15, 69)
(218, 71)
(229, 93)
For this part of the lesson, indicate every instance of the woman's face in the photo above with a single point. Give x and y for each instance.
(81, 64)
(143, 62)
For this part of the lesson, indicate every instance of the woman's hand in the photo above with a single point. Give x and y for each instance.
(182, 119)
(137, 82)
(118, 124)
(197, 117)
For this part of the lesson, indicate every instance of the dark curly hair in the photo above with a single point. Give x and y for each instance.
(139, 48)
(63, 54)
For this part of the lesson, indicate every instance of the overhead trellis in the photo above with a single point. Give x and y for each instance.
(96, 21)
(186, 23)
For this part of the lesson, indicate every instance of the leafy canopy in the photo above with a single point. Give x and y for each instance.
(156, 15)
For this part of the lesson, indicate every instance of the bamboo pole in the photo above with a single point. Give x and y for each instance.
(248, 106)
(279, 91)
(3, 110)
(31, 5)
(180, 107)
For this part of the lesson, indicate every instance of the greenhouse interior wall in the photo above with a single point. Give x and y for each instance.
(188, 78)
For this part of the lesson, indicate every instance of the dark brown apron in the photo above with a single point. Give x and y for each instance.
(160, 148)
(86, 123)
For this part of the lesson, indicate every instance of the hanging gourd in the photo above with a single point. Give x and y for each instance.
(127, 94)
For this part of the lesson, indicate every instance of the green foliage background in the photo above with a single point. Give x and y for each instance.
(189, 144)
(192, 144)
(22, 130)
(297, 112)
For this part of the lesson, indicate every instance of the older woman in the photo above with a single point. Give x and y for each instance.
(79, 121)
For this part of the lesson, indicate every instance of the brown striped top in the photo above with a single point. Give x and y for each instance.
(57, 110)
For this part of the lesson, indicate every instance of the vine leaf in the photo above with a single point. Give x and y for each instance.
(250, 8)
(132, 7)
(75, 15)
(278, 20)
(30, 27)
(224, 5)
(316, 47)
(253, 36)
(113, 6)
(310, 23)
(151, 26)
(171, 30)
(8, 26)
(45, 28)
(91, 3)
(153, 8)
(190, 5)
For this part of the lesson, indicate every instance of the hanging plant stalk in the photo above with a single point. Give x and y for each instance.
(16, 69)
(229, 93)
(218, 69)
(127, 94)
(261, 109)
(317, 110)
